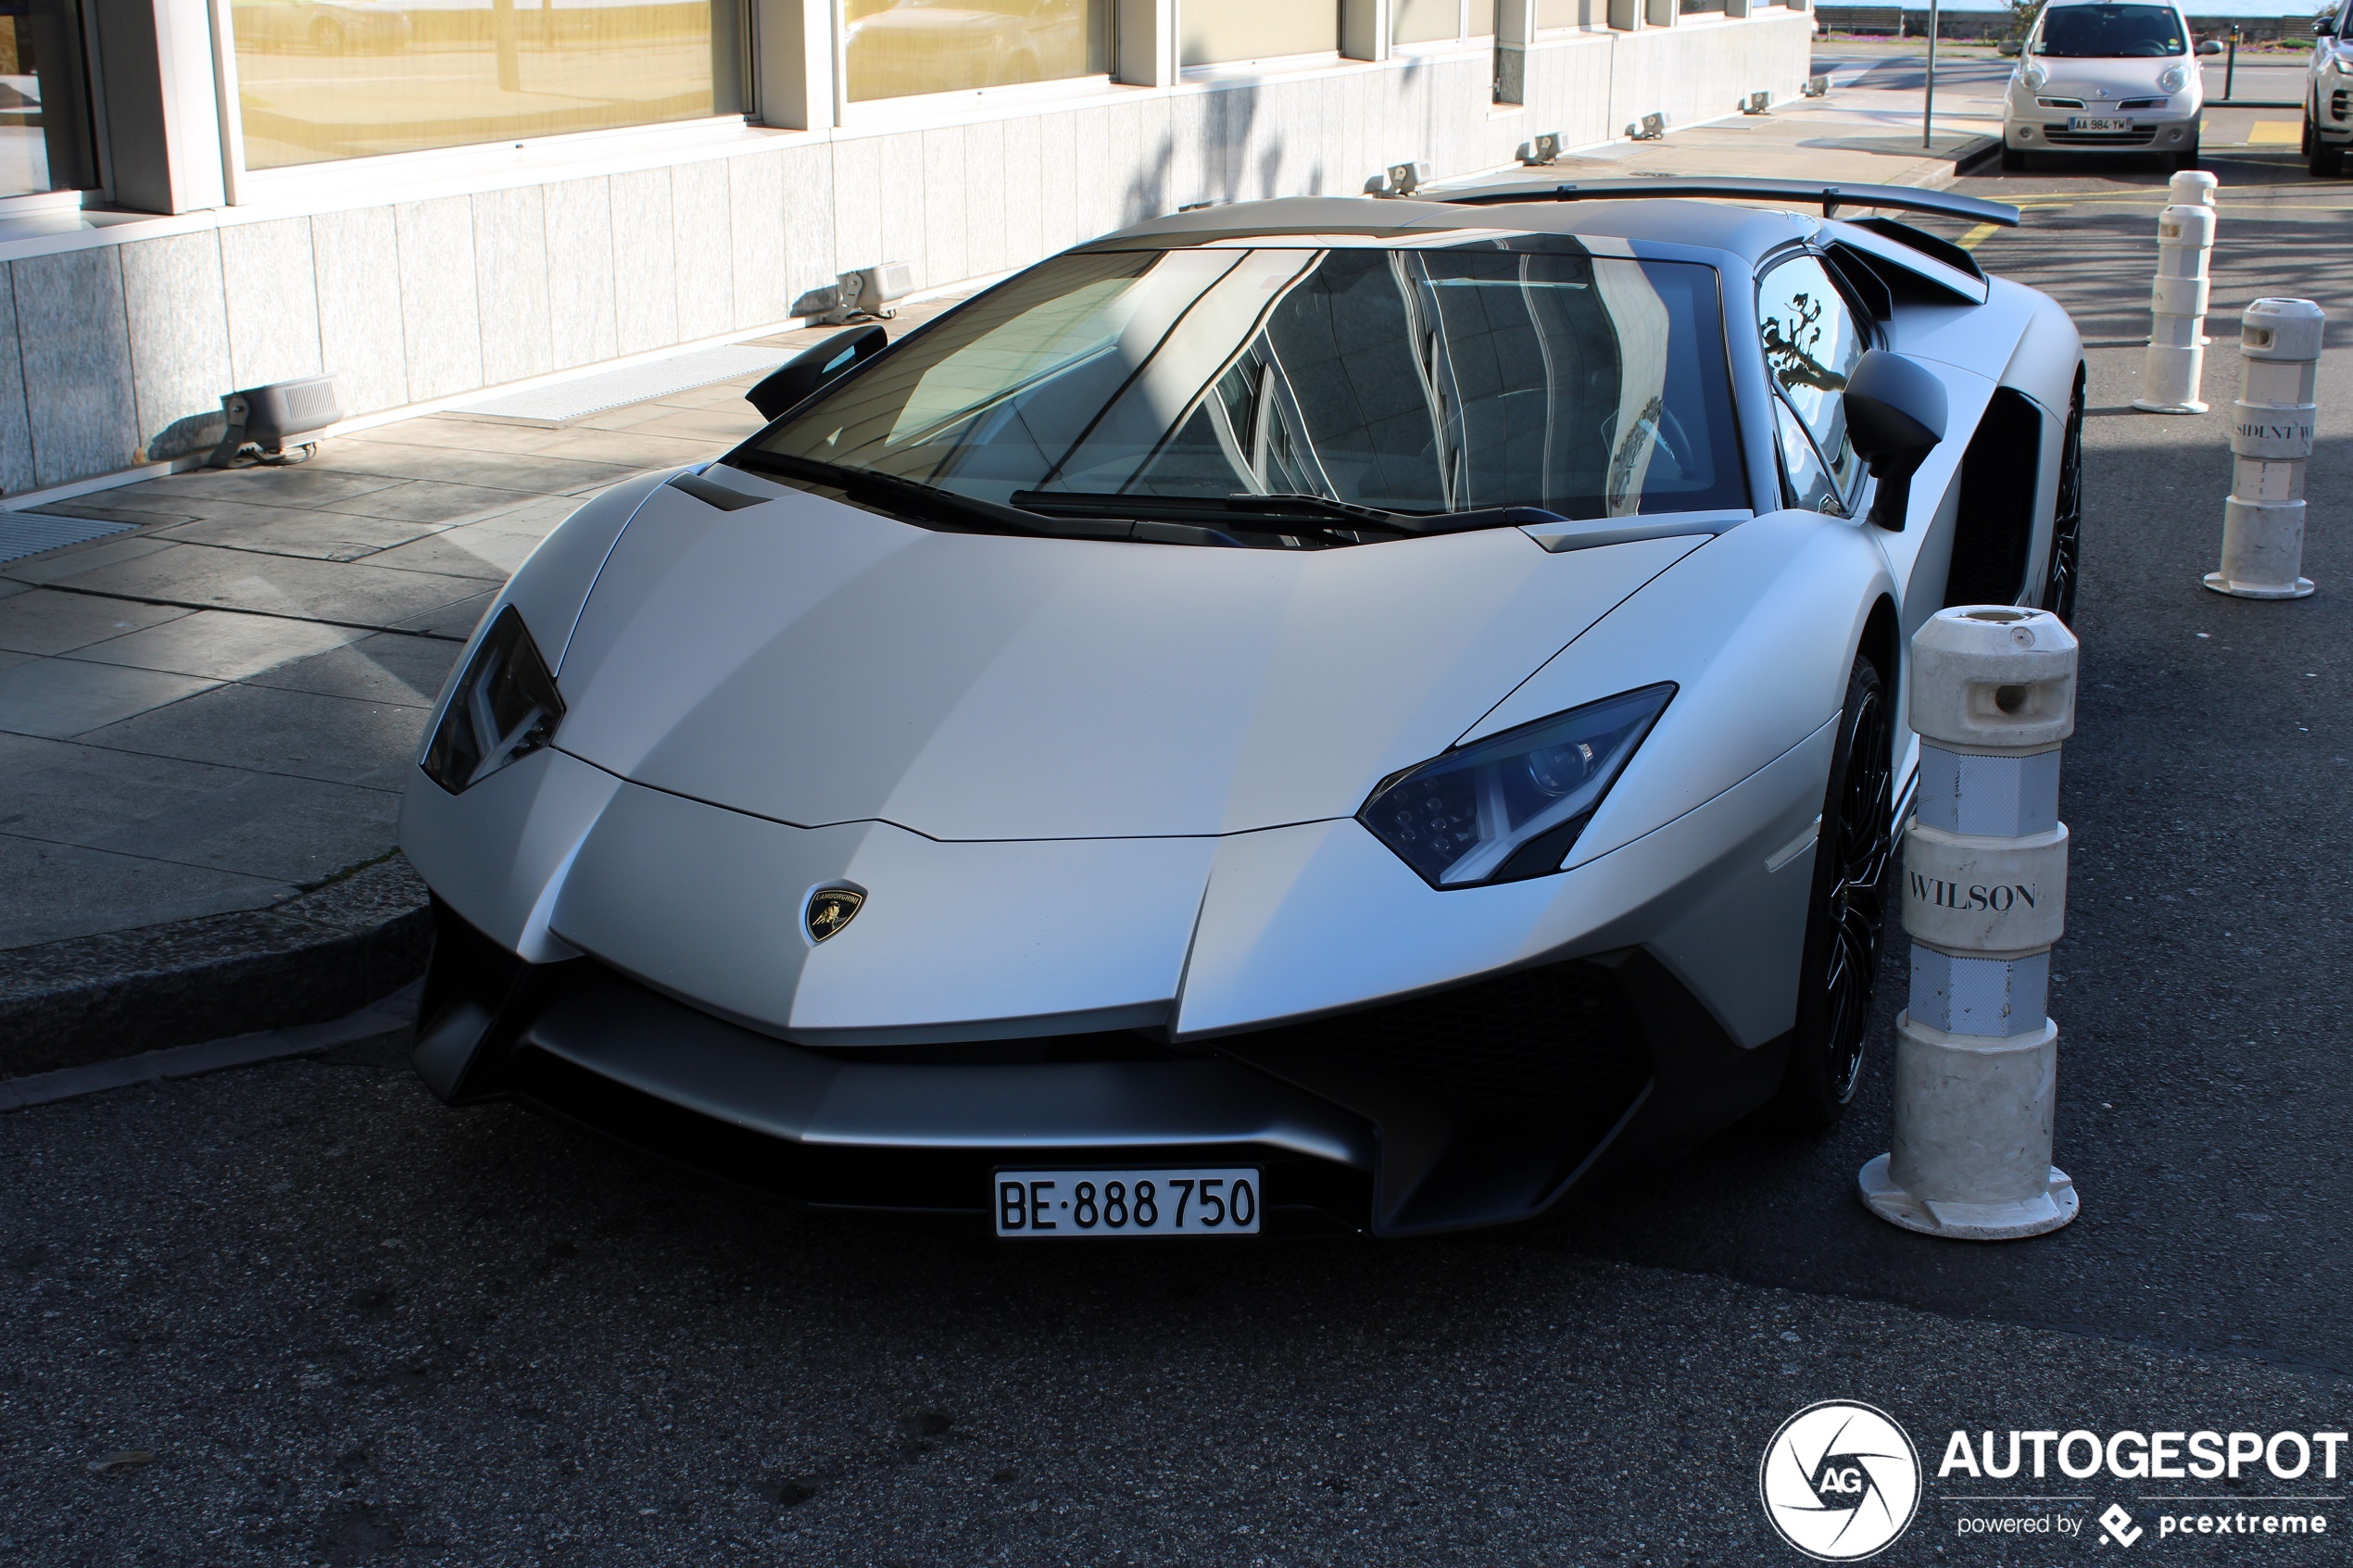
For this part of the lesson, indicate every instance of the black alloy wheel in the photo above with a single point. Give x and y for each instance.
(1852, 860)
(2061, 572)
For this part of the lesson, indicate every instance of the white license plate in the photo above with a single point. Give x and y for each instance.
(2096, 123)
(1073, 1203)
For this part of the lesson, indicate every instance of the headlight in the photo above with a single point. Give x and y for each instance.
(2174, 78)
(504, 707)
(1510, 806)
(2036, 76)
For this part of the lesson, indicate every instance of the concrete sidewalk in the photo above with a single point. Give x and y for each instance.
(1863, 132)
(206, 720)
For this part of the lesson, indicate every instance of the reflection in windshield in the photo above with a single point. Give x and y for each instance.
(2111, 33)
(1417, 381)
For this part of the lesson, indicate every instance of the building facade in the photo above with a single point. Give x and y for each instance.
(431, 197)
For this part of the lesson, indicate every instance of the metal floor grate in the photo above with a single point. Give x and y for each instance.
(584, 396)
(28, 533)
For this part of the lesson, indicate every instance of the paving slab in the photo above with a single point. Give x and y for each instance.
(346, 593)
(318, 535)
(303, 734)
(218, 644)
(58, 698)
(44, 621)
(381, 667)
(58, 891)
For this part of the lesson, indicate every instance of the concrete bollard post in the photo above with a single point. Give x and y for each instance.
(2271, 426)
(2193, 187)
(1984, 897)
(2175, 363)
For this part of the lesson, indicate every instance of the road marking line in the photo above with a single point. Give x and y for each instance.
(1977, 235)
(2276, 134)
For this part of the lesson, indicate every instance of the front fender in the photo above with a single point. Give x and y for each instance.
(1757, 629)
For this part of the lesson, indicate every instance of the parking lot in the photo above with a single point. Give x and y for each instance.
(301, 1313)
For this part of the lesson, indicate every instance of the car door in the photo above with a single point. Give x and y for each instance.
(1815, 332)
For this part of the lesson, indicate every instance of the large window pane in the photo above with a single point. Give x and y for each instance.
(45, 117)
(1424, 21)
(897, 48)
(1217, 30)
(335, 78)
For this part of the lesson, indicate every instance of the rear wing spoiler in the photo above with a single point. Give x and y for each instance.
(1801, 193)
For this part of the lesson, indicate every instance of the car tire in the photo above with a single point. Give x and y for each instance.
(2305, 148)
(2013, 160)
(2187, 157)
(2326, 160)
(1846, 912)
(2060, 572)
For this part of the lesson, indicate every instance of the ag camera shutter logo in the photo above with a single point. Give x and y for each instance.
(1840, 1481)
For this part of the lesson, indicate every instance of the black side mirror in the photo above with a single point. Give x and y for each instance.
(2325, 26)
(2008, 46)
(812, 367)
(1894, 419)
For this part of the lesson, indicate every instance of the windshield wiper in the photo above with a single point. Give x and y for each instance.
(1322, 513)
(928, 500)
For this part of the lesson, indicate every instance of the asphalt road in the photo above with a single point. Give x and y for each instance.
(300, 1314)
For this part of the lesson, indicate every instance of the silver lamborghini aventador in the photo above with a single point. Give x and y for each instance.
(1315, 713)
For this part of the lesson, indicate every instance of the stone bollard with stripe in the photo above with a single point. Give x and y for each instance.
(2175, 363)
(1984, 897)
(2271, 426)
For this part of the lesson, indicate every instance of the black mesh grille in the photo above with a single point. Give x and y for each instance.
(2139, 136)
(1528, 1042)
(1542, 1037)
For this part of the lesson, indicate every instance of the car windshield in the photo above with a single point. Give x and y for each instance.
(1427, 381)
(2112, 33)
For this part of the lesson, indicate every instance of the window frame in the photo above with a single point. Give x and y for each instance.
(323, 179)
(1856, 499)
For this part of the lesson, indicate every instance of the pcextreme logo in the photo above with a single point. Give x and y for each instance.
(1840, 1480)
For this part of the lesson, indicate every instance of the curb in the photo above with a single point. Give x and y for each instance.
(323, 955)
(387, 1019)
(1967, 160)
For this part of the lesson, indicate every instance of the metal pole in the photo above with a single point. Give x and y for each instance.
(2231, 66)
(1927, 105)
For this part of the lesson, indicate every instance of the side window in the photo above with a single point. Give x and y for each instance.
(1809, 481)
(1812, 342)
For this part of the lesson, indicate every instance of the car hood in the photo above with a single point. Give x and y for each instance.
(2110, 78)
(814, 663)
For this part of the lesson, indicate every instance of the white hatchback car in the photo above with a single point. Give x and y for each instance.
(2116, 76)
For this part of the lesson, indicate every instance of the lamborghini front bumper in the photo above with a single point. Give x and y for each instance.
(1355, 1122)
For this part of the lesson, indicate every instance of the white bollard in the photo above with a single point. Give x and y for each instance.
(2176, 359)
(1991, 696)
(2191, 187)
(2272, 428)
